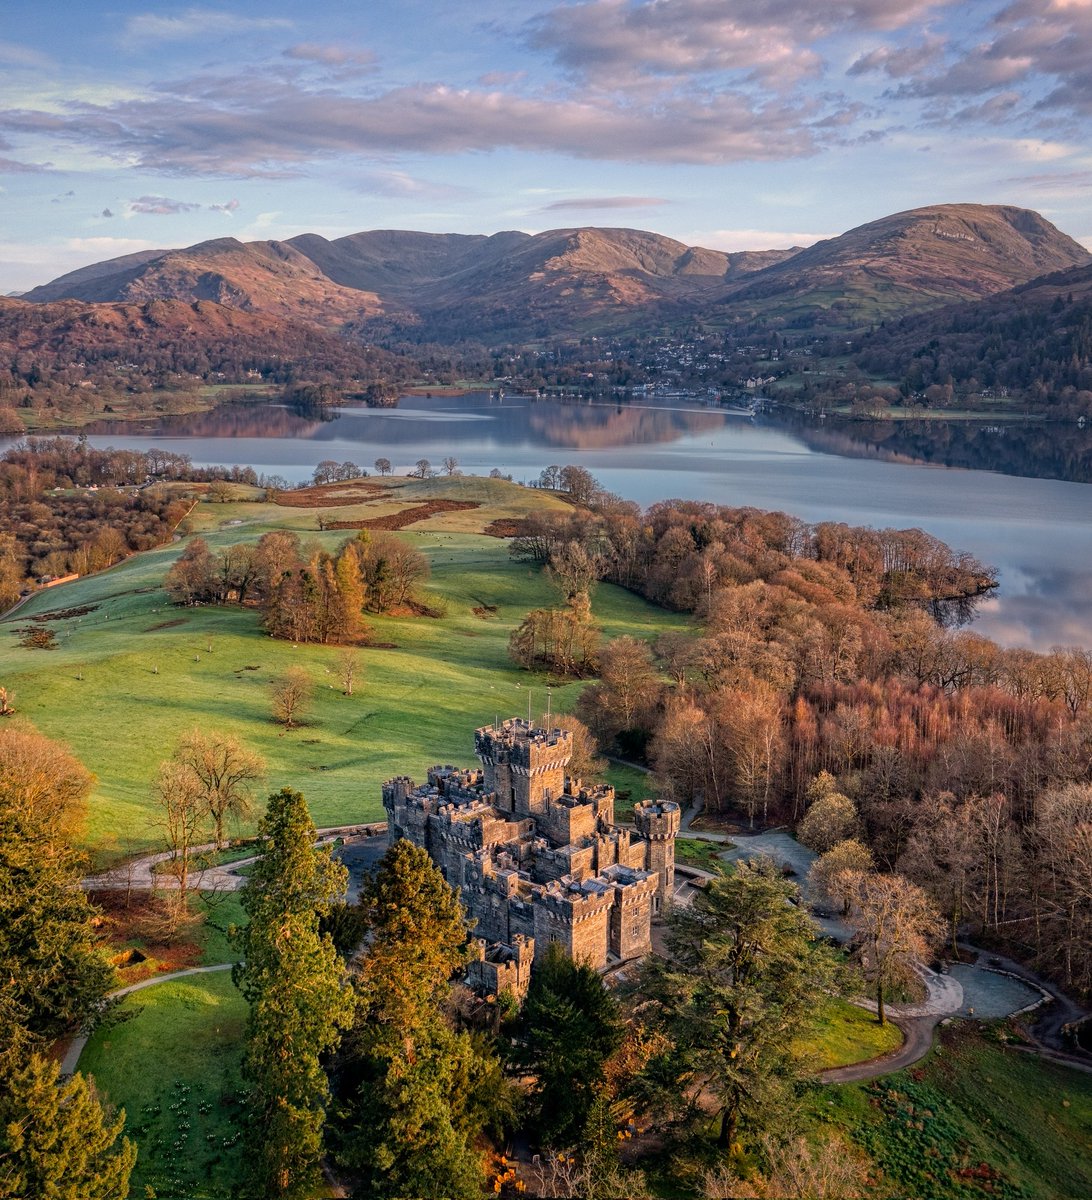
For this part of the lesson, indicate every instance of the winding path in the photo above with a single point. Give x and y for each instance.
(75, 1047)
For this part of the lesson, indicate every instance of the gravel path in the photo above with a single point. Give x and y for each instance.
(140, 876)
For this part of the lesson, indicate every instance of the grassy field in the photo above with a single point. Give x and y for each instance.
(974, 1120)
(133, 674)
(170, 1058)
(848, 1034)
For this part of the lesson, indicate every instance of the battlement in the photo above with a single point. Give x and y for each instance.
(657, 819)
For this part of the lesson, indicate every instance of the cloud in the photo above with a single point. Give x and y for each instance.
(1041, 47)
(595, 202)
(257, 125)
(735, 241)
(145, 28)
(330, 56)
(12, 54)
(229, 207)
(106, 213)
(772, 39)
(11, 166)
(160, 206)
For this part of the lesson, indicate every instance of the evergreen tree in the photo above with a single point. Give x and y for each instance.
(411, 1085)
(57, 1142)
(743, 979)
(568, 1027)
(294, 981)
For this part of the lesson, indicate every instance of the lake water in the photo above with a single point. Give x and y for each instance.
(1038, 532)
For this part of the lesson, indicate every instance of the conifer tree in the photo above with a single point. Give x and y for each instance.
(569, 1026)
(410, 1083)
(295, 983)
(57, 1142)
(742, 982)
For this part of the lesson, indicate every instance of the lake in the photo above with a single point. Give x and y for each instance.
(1036, 531)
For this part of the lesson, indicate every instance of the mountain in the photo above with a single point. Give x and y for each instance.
(562, 281)
(568, 282)
(907, 262)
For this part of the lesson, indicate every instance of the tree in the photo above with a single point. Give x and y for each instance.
(409, 1084)
(735, 995)
(828, 875)
(192, 577)
(225, 770)
(423, 468)
(450, 465)
(383, 466)
(831, 819)
(291, 694)
(42, 784)
(295, 983)
(894, 929)
(568, 1027)
(348, 668)
(178, 793)
(53, 974)
(57, 1140)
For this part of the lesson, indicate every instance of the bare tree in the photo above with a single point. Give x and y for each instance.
(423, 468)
(292, 693)
(894, 928)
(225, 770)
(177, 792)
(383, 466)
(348, 668)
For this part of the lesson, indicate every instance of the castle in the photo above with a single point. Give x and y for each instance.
(536, 855)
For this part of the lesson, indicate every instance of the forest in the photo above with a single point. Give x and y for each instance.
(827, 651)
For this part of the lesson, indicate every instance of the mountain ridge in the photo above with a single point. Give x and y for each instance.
(572, 281)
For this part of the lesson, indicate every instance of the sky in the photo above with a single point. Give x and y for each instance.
(732, 124)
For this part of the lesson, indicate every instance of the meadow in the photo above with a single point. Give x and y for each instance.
(135, 672)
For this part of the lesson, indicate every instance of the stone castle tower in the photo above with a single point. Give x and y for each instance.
(536, 854)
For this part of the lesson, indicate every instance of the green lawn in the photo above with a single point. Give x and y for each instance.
(128, 678)
(693, 852)
(847, 1034)
(171, 1060)
(975, 1120)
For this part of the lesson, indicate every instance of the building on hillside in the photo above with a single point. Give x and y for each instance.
(536, 855)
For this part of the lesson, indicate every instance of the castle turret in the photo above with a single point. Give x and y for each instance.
(657, 822)
(523, 764)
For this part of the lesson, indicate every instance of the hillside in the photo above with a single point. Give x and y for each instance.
(907, 262)
(441, 285)
(71, 356)
(1034, 341)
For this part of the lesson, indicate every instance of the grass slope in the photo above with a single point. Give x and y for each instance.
(975, 1120)
(128, 678)
(171, 1059)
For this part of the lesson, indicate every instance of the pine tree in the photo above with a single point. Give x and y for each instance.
(742, 982)
(409, 1080)
(568, 1027)
(57, 1142)
(295, 983)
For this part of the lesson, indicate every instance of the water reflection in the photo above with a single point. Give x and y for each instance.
(1036, 531)
(1035, 448)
